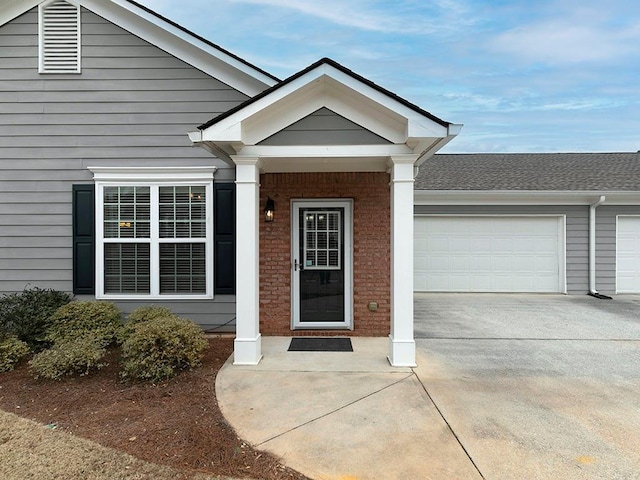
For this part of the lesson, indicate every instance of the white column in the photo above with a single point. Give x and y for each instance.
(402, 346)
(247, 348)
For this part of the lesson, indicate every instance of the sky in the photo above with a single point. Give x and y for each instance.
(520, 75)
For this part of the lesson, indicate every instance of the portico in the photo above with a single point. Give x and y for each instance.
(336, 155)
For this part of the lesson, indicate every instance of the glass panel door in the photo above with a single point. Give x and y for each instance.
(321, 251)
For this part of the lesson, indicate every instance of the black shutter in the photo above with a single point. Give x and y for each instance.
(224, 241)
(84, 239)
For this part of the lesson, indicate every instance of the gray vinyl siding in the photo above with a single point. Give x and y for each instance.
(606, 244)
(324, 127)
(577, 233)
(132, 105)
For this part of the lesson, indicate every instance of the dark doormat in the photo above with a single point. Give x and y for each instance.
(320, 344)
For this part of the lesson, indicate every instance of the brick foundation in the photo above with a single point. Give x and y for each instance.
(371, 248)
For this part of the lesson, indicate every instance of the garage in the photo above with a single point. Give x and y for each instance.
(628, 254)
(457, 253)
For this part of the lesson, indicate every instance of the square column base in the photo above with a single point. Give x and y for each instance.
(402, 353)
(247, 351)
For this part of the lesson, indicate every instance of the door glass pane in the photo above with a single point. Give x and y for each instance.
(321, 275)
(322, 234)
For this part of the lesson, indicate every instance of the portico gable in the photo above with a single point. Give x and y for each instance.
(328, 122)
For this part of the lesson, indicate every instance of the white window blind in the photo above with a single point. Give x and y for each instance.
(322, 246)
(155, 239)
(59, 37)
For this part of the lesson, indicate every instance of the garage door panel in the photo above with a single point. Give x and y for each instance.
(459, 264)
(628, 255)
(490, 254)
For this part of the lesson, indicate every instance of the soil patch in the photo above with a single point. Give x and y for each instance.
(175, 423)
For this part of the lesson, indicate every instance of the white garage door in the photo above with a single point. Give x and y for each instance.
(489, 254)
(628, 255)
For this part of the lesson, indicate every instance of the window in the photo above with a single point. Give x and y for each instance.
(322, 240)
(154, 239)
(59, 37)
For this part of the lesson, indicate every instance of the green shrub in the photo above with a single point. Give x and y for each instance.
(142, 314)
(158, 349)
(149, 312)
(27, 314)
(12, 350)
(80, 355)
(96, 319)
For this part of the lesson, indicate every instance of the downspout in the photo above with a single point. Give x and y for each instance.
(592, 249)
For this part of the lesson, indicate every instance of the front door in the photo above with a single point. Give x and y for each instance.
(321, 251)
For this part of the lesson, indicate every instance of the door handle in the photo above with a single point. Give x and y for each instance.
(295, 265)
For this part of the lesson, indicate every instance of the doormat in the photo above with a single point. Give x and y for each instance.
(320, 344)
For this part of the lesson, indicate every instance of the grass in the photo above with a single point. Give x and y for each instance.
(31, 451)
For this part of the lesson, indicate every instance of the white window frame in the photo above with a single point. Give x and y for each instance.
(41, 40)
(154, 178)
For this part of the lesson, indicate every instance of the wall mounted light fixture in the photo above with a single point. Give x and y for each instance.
(269, 210)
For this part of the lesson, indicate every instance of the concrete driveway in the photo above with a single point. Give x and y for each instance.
(535, 386)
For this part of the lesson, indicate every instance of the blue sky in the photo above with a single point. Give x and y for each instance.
(521, 75)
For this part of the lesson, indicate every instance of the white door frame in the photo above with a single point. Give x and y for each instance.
(296, 205)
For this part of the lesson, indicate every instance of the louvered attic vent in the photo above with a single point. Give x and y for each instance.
(59, 37)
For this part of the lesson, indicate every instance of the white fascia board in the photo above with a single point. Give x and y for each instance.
(180, 44)
(10, 9)
(152, 174)
(211, 133)
(426, 150)
(420, 121)
(522, 197)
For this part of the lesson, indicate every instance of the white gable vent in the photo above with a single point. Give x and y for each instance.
(59, 37)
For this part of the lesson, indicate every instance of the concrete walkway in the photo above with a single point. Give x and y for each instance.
(341, 415)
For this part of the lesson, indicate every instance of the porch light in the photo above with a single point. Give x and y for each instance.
(269, 210)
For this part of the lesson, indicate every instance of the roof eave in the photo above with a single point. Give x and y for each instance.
(524, 197)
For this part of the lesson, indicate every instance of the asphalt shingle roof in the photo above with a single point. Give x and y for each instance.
(531, 171)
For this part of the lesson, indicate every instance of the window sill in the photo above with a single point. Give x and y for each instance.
(154, 297)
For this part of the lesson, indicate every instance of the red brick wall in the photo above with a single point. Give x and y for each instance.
(371, 248)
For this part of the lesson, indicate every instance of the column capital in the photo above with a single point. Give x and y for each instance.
(402, 159)
(247, 160)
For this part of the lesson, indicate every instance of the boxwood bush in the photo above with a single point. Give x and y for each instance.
(12, 350)
(142, 314)
(159, 349)
(97, 319)
(27, 315)
(79, 355)
(149, 312)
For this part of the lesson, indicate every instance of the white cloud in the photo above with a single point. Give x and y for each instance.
(405, 17)
(572, 36)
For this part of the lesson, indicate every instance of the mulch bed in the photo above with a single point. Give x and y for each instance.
(175, 423)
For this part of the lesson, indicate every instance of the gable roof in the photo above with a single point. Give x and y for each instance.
(167, 35)
(553, 172)
(313, 66)
(409, 131)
